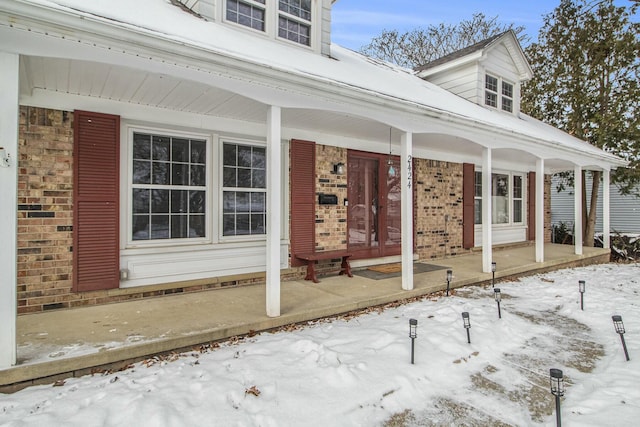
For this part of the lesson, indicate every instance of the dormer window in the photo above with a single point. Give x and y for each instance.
(294, 21)
(491, 93)
(293, 17)
(250, 13)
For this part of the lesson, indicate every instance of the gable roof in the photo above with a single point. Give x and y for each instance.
(477, 52)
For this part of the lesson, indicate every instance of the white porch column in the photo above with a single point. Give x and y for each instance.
(9, 114)
(274, 206)
(487, 202)
(406, 193)
(577, 210)
(539, 210)
(606, 214)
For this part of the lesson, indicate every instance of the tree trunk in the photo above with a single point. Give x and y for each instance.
(590, 225)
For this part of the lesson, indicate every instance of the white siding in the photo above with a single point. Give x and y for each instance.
(625, 210)
(325, 38)
(461, 81)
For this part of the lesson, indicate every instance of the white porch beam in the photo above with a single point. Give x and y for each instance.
(539, 210)
(406, 194)
(577, 210)
(274, 207)
(487, 226)
(606, 209)
(9, 114)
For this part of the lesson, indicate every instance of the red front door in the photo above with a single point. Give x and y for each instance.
(373, 215)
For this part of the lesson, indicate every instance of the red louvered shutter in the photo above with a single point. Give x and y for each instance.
(468, 203)
(303, 199)
(531, 206)
(96, 201)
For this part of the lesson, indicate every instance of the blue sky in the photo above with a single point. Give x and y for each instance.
(356, 22)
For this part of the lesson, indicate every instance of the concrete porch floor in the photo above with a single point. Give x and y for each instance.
(121, 333)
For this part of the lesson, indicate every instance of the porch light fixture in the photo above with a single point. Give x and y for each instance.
(493, 274)
(556, 381)
(413, 326)
(467, 325)
(449, 278)
(617, 323)
(392, 170)
(581, 288)
(497, 296)
(5, 160)
(339, 168)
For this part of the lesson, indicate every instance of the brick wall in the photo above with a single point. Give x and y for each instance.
(45, 218)
(438, 208)
(331, 220)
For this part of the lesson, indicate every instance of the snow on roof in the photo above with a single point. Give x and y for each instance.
(345, 68)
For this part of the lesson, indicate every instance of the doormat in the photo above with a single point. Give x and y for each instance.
(386, 271)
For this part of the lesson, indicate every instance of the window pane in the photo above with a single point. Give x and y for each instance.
(244, 178)
(141, 146)
(198, 152)
(299, 8)
(491, 83)
(179, 201)
(259, 158)
(141, 172)
(160, 174)
(517, 211)
(229, 178)
(246, 13)
(141, 201)
(159, 226)
(517, 186)
(160, 201)
(160, 149)
(229, 202)
(478, 184)
(196, 202)
(477, 211)
(242, 224)
(507, 89)
(242, 202)
(198, 175)
(140, 227)
(179, 226)
(258, 202)
(244, 156)
(229, 155)
(507, 105)
(229, 225)
(500, 199)
(179, 174)
(257, 223)
(491, 99)
(196, 226)
(180, 150)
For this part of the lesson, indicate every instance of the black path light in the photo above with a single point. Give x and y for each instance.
(617, 323)
(581, 288)
(467, 324)
(413, 326)
(449, 278)
(493, 274)
(497, 296)
(557, 389)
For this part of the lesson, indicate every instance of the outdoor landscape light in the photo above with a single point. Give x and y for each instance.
(449, 277)
(496, 294)
(557, 389)
(617, 323)
(581, 286)
(413, 326)
(493, 274)
(467, 324)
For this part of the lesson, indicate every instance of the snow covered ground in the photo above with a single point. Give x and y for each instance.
(356, 370)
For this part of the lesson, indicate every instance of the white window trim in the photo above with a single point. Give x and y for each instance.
(272, 13)
(221, 237)
(511, 199)
(127, 177)
(499, 94)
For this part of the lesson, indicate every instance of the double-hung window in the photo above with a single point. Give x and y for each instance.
(244, 192)
(294, 21)
(498, 93)
(507, 201)
(169, 187)
(291, 20)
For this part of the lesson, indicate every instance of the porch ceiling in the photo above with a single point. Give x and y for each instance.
(133, 86)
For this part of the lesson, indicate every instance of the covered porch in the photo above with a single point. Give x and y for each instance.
(60, 344)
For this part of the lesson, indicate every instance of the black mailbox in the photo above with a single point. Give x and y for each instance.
(327, 199)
